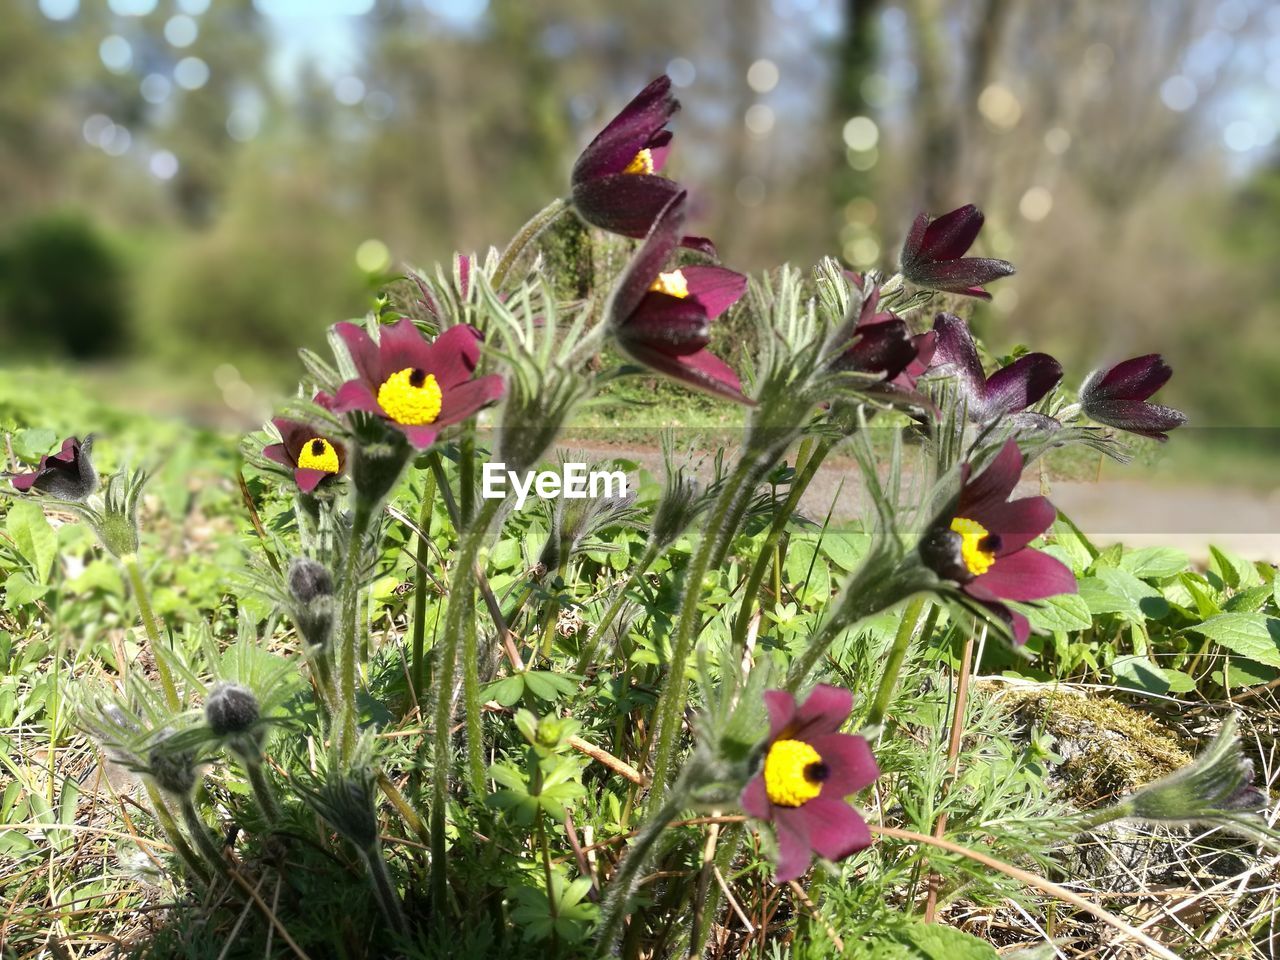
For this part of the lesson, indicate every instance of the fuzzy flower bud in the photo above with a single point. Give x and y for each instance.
(311, 590)
(174, 771)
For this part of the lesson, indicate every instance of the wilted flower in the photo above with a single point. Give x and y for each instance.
(311, 455)
(67, 474)
(933, 254)
(1009, 390)
(418, 387)
(615, 181)
(808, 770)
(980, 542)
(663, 320)
(1118, 397)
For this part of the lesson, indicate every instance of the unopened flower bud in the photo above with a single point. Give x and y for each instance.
(311, 590)
(308, 580)
(174, 771)
(231, 709)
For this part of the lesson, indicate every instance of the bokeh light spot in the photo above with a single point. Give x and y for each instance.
(682, 72)
(372, 256)
(1000, 106)
(1036, 204)
(191, 73)
(759, 119)
(59, 9)
(181, 31)
(762, 76)
(116, 53)
(1057, 141)
(1178, 93)
(861, 133)
(163, 165)
(155, 88)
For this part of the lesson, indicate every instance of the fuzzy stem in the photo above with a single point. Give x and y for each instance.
(526, 235)
(174, 835)
(953, 765)
(262, 790)
(623, 882)
(461, 605)
(423, 555)
(588, 655)
(350, 610)
(384, 890)
(200, 834)
(737, 492)
(143, 599)
(911, 618)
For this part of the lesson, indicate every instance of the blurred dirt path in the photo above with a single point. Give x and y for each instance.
(1151, 511)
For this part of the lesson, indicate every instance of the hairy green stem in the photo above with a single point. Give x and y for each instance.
(262, 791)
(911, 618)
(384, 890)
(423, 556)
(350, 614)
(143, 598)
(525, 236)
(173, 834)
(461, 607)
(199, 831)
(588, 655)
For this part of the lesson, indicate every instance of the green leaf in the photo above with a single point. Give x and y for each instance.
(1064, 613)
(550, 686)
(20, 590)
(1236, 572)
(33, 443)
(506, 691)
(33, 536)
(1073, 548)
(1252, 635)
(1112, 590)
(1248, 601)
(1140, 673)
(1155, 562)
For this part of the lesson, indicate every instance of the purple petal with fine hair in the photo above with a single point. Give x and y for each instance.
(835, 829)
(624, 203)
(880, 348)
(1020, 384)
(458, 403)
(630, 131)
(782, 710)
(648, 260)
(755, 798)
(715, 288)
(703, 370)
(791, 828)
(659, 148)
(1016, 623)
(308, 479)
(991, 488)
(1145, 419)
(952, 234)
(672, 325)
(420, 437)
(401, 346)
(293, 435)
(355, 395)
(23, 482)
(954, 348)
(278, 453)
(68, 452)
(960, 276)
(1026, 575)
(1016, 522)
(911, 245)
(702, 245)
(363, 351)
(452, 357)
(823, 711)
(1135, 379)
(850, 763)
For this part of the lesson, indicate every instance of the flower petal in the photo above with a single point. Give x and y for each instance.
(625, 203)
(363, 351)
(951, 235)
(452, 357)
(755, 798)
(703, 370)
(990, 489)
(960, 276)
(1025, 575)
(460, 402)
(23, 482)
(782, 710)
(954, 349)
(647, 262)
(835, 829)
(715, 288)
(1020, 384)
(824, 711)
(850, 763)
(1134, 379)
(791, 829)
(634, 127)
(420, 437)
(671, 325)
(1135, 416)
(278, 453)
(308, 479)
(1016, 522)
(355, 395)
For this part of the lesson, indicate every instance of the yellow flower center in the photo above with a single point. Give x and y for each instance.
(642, 162)
(411, 397)
(793, 773)
(318, 454)
(975, 545)
(673, 284)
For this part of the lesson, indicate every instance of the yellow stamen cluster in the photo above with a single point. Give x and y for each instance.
(642, 162)
(673, 284)
(789, 773)
(318, 454)
(972, 534)
(410, 397)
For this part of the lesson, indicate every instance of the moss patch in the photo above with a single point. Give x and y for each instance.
(1108, 749)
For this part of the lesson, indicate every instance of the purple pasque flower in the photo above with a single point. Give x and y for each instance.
(416, 386)
(980, 542)
(1009, 390)
(933, 254)
(67, 474)
(662, 319)
(809, 768)
(1118, 397)
(878, 340)
(313, 456)
(616, 183)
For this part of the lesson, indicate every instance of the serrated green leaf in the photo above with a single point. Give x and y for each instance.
(1140, 673)
(1112, 590)
(1062, 613)
(1155, 562)
(33, 537)
(1236, 572)
(1252, 635)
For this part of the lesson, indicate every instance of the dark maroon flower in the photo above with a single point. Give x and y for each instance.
(311, 455)
(67, 474)
(1008, 390)
(1118, 397)
(418, 387)
(933, 254)
(981, 542)
(809, 768)
(663, 320)
(879, 341)
(615, 181)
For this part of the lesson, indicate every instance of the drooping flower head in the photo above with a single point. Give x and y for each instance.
(809, 768)
(303, 448)
(933, 254)
(416, 386)
(878, 340)
(67, 474)
(980, 542)
(663, 319)
(1009, 390)
(616, 182)
(1118, 397)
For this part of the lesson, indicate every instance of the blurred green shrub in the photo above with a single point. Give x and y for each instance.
(63, 290)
